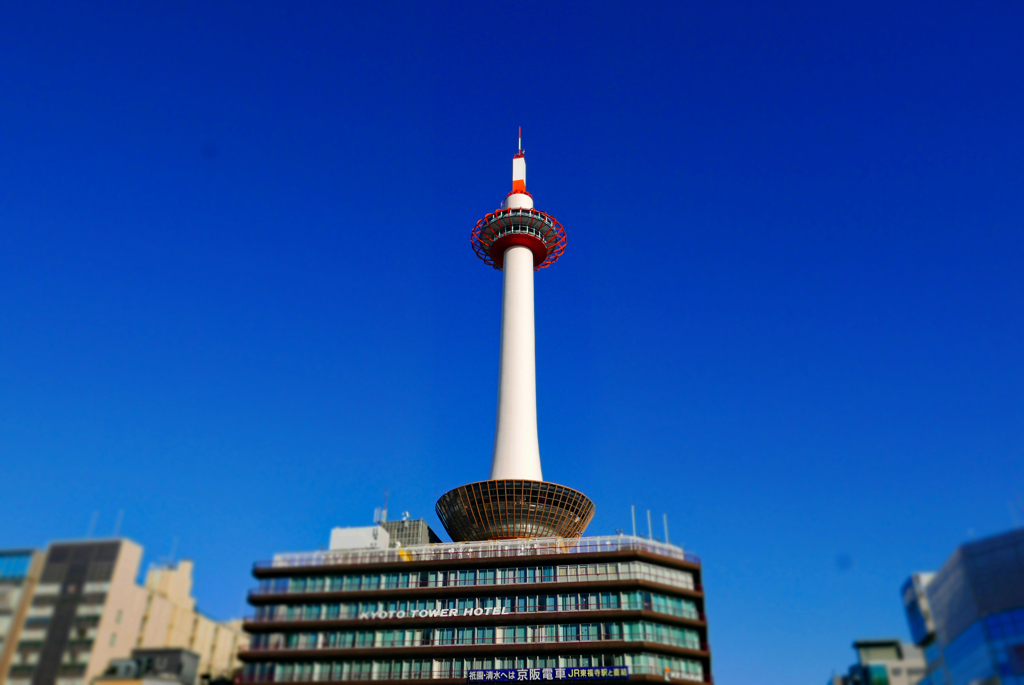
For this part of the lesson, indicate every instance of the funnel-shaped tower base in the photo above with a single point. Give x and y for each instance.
(504, 509)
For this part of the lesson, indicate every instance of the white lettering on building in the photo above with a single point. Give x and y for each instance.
(434, 613)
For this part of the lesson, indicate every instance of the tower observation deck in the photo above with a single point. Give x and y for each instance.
(516, 502)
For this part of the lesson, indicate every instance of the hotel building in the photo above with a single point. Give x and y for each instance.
(545, 608)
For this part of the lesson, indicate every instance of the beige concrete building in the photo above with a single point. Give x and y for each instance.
(19, 573)
(170, 619)
(88, 609)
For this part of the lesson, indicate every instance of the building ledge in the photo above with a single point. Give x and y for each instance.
(514, 618)
(444, 651)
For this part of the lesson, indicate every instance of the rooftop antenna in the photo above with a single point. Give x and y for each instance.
(665, 517)
(520, 138)
(174, 550)
(632, 511)
(650, 531)
(117, 525)
(384, 512)
(92, 524)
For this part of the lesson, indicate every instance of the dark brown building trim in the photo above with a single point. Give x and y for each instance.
(509, 589)
(469, 651)
(516, 618)
(639, 677)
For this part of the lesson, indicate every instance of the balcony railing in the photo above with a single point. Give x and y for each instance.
(353, 613)
(680, 579)
(434, 673)
(489, 549)
(479, 641)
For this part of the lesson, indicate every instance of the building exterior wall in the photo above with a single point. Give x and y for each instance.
(156, 621)
(19, 574)
(544, 605)
(88, 609)
(886, 661)
(976, 603)
(918, 610)
(370, 537)
(223, 649)
(173, 582)
(182, 628)
(410, 532)
(171, 621)
(81, 599)
(202, 641)
(118, 629)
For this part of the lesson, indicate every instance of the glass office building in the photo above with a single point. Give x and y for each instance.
(969, 616)
(526, 609)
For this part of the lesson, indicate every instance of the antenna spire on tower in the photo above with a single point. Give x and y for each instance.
(520, 138)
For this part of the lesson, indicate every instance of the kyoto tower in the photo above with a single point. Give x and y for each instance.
(516, 502)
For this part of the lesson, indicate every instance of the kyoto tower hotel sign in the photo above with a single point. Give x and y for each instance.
(516, 502)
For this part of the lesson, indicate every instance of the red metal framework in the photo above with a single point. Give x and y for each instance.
(532, 228)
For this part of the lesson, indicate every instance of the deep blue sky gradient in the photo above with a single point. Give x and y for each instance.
(237, 298)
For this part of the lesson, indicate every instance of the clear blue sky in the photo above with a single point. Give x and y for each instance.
(237, 297)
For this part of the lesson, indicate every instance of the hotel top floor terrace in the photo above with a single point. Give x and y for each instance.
(553, 550)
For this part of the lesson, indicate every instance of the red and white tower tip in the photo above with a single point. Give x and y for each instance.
(516, 502)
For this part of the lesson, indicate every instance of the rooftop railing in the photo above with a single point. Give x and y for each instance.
(510, 583)
(488, 549)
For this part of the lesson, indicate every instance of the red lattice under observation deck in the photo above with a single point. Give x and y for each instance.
(531, 228)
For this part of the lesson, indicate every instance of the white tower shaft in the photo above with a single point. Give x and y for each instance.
(516, 447)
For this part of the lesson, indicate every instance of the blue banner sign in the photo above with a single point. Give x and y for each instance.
(567, 673)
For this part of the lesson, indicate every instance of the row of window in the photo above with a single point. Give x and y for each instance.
(388, 669)
(484, 635)
(633, 570)
(14, 565)
(989, 647)
(634, 601)
(80, 621)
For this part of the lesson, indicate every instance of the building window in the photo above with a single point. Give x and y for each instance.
(117, 619)
(113, 639)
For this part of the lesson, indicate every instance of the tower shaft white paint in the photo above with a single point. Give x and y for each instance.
(516, 447)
